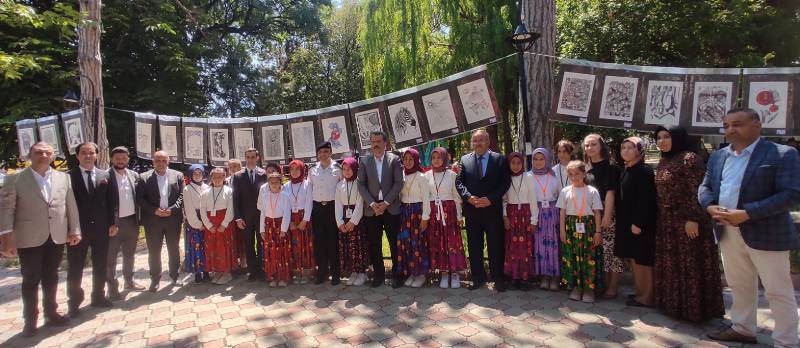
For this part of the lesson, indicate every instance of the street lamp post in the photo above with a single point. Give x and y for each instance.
(523, 40)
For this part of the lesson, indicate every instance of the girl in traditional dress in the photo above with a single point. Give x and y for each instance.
(195, 261)
(564, 153)
(217, 214)
(415, 211)
(444, 230)
(353, 253)
(300, 228)
(545, 251)
(276, 213)
(520, 217)
(580, 206)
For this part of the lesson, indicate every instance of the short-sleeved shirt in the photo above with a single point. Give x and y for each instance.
(593, 201)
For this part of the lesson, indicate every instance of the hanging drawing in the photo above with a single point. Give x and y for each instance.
(144, 138)
(272, 140)
(48, 133)
(576, 94)
(220, 144)
(193, 142)
(710, 103)
(334, 130)
(303, 145)
(73, 129)
(26, 137)
(476, 101)
(243, 139)
(404, 121)
(619, 98)
(769, 100)
(439, 110)
(367, 121)
(663, 103)
(169, 139)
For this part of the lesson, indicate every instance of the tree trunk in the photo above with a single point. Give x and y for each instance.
(90, 67)
(540, 16)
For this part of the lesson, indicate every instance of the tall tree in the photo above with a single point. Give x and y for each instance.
(90, 64)
(540, 17)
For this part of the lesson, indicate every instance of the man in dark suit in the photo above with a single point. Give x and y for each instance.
(482, 181)
(160, 196)
(97, 201)
(246, 184)
(749, 188)
(380, 180)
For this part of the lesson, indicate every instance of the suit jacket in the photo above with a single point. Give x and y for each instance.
(769, 188)
(493, 185)
(133, 179)
(149, 198)
(245, 194)
(96, 209)
(23, 209)
(391, 182)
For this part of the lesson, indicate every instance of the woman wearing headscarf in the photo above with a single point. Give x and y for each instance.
(299, 190)
(546, 237)
(415, 212)
(636, 219)
(353, 253)
(444, 230)
(686, 269)
(520, 216)
(195, 261)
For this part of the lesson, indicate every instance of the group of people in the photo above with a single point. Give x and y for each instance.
(572, 224)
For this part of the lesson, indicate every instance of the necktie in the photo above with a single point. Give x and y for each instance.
(89, 182)
(252, 176)
(483, 166)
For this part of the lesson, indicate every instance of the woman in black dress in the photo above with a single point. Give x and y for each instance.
(636, 219)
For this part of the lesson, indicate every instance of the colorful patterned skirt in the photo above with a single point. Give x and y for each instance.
(219, 245)
(412, 242)
(444, 239)
(353, 251)
(579, 261)
(277, 251)
(518, 242)
(302, 245)
(195, 259)
(546, 239)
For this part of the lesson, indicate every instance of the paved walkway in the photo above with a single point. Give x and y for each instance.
(244, 314)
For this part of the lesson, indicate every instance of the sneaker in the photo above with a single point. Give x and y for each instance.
(281, 283)
(575, 295)
(455, 281)
(361, 278)
(273, 284)
(409, 281)
(444, 283)
(419, 281)
(351, 279)
(588, 297)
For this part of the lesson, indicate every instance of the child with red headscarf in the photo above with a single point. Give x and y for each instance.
(349, 209)
(415, 211)
(299, 191)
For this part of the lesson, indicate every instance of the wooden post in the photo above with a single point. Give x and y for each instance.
(540, 16)
(90, 65)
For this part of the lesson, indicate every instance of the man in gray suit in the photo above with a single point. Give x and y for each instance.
(126, 215)
(380, 180)
(26, 198)
(160, 196)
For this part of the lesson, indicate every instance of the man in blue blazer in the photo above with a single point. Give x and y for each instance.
(482, 181)
(748, 189)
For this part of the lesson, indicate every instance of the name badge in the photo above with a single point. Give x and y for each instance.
(214, 212)
(580, 227)
(438, 201)
(545, 204)
(348, 213)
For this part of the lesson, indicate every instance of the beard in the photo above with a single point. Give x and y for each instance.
(120, 166)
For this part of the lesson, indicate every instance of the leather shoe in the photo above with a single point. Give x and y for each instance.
(476, 285)
(102, 303)
(319, 280)
(132, 285)
(56, 320)
(30, 330)
(376, 282)
(500, 286)
(730, 335)
(73, 312)
(153, 286)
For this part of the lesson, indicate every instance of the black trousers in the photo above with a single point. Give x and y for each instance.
(40, 265)
(253, 245)
(326, 239)
(488, 223)
(375, 227)
(97, 240)
(156, 233)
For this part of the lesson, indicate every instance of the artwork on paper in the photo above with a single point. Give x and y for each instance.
(711, 101)
(367, 121)
(169, 140)
(272, 137)
(74, 133)
(439, 110)
(193, 142)
(769, 100)
(49, 135)
(144, 133)
(404, 120)
(220, 146)
(243, 139)
(619, 98)
(303, 139)
(476, 100)
(334, 130)
(576, 94)
(663, 103)
(26, 139)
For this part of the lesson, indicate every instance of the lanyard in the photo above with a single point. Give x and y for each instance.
(439, 184)
(295, 195)
(575, 204)
(516, 188)
(216, 196)
(192, 185)
(411, 186)
(274, 205)
(561, 176)
(349, 188)
(545, 187)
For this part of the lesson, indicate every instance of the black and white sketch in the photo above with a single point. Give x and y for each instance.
(243, 140)
(144, 138)
(770, 100)
(576, 94)
(303, 144)
(334, 130)
(404, 120)
(49, 134)
(272, 140)
(439, 110)
(169, 139)
(711, 101)
(220, 144)
(26, 139)
(367, 122)
(476, 100)
(663, 103)
(193, 143)
(619, 98)
(74, 133)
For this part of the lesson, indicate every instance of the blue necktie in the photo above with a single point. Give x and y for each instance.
(483, 165)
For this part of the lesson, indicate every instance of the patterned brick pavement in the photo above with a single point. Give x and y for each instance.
(244, 314)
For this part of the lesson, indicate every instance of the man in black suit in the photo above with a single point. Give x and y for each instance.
(246, 184)
(97, 201)
(160, 197)
(482, 181)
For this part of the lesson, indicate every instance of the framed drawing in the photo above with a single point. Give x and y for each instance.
(303, 134)
(49, 133)
(367, 117)
(774, 94)
(244, 135)
(274, 138)
(73, 129)
(663, 102)
(335, 127)
(170, 139)
(194, 140)
(770, 100)
(710, 102)
(478, 100)
(619, 98)
(406, 127)
(575, 96)
(26, 137)
(440, 112)
(145, 141)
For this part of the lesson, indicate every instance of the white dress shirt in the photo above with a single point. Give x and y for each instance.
(442, 187)
(347, 194)
(300, 194)
(192, 202)
(416, 190)
(274, 205)
(215, 199)
(522, 191)
(127, 201)
(379, 170)
(45, 183)
(163, 189)
(85, 176)
(323, 181)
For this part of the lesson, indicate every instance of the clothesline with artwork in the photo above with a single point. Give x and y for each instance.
(645, 97)
(413, 116)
